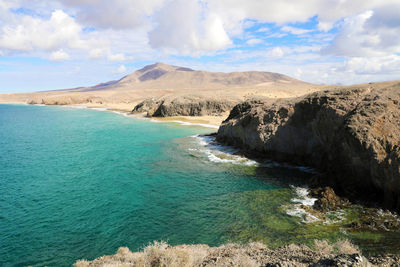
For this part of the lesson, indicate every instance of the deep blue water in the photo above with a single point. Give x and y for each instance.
(80, 183)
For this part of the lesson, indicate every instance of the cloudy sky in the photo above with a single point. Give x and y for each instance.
(68, 43)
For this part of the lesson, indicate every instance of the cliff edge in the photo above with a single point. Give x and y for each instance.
(352, 134)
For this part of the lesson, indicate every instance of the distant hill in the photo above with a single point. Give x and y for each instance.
(164, 76)
(162, 83)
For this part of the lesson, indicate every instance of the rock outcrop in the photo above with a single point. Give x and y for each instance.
(352, 134)
(187, 105)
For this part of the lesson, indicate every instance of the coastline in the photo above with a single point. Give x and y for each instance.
(122, 112)
(204, 121)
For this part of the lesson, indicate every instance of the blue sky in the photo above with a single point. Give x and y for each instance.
(57, 44)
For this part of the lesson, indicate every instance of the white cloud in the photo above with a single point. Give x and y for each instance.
(294, 30)
(120, 70)
(277, 35)
(59, 55)
(254, 41)
(373, 65)
(263, 29)
(97, 53)
(298, 73)
(186, 27)
(275, 52)
(367, 42)
(116, 14)
(117, 57)
(371, 33)
(32, 34)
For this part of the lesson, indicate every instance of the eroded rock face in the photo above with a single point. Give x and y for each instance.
(353, 134)
(148, 105)
(184, 106)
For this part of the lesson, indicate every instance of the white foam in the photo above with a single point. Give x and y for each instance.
(75, 106)
(302, 199)
(305, 216)
(195, 124)
(125, 114)
(219, 154)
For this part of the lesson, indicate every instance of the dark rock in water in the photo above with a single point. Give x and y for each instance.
(327, 200)
(352, 134)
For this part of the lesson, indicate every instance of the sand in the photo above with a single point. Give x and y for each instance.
(160, 80)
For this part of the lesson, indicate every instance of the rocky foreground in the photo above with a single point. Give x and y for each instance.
(352, 135)
(341, 253)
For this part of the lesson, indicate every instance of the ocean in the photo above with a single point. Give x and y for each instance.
(80, 183)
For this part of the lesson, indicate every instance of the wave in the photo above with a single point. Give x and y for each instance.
(195, 124)
(99, 109)
(228, 154)
(184, 123)
(301, 201)
(217, 153)
(75, 106)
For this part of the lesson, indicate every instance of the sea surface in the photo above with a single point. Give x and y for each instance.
(79, 183)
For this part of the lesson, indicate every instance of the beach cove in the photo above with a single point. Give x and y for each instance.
(81, 183)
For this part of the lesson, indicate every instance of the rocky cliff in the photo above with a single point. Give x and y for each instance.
(352, 134)
(187, 105)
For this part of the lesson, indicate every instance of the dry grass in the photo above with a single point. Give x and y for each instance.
(160, 254)
(323, 246)
(157, 254)
(345, 247)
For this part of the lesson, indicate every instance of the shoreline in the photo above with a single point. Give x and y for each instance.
(203, 121)
(124, 113)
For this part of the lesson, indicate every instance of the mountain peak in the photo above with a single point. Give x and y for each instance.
(163, 66)
(158, 65)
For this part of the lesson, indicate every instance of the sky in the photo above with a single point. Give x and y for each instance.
(56, 44)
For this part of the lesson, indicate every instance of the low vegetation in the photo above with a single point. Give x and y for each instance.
(253, 254)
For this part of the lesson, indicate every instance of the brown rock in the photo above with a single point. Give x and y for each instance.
(185, 105)
(352, 134)
(327, 200)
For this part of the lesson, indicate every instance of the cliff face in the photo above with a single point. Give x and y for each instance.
(352, 134)
(187, 105)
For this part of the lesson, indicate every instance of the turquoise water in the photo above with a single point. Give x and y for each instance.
(80, 183)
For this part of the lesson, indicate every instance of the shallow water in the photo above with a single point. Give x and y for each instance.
(80, 183)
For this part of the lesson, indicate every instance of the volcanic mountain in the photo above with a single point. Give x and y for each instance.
(159, 83)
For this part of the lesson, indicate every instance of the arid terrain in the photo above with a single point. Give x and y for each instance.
(165, 84)
(341, 253)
